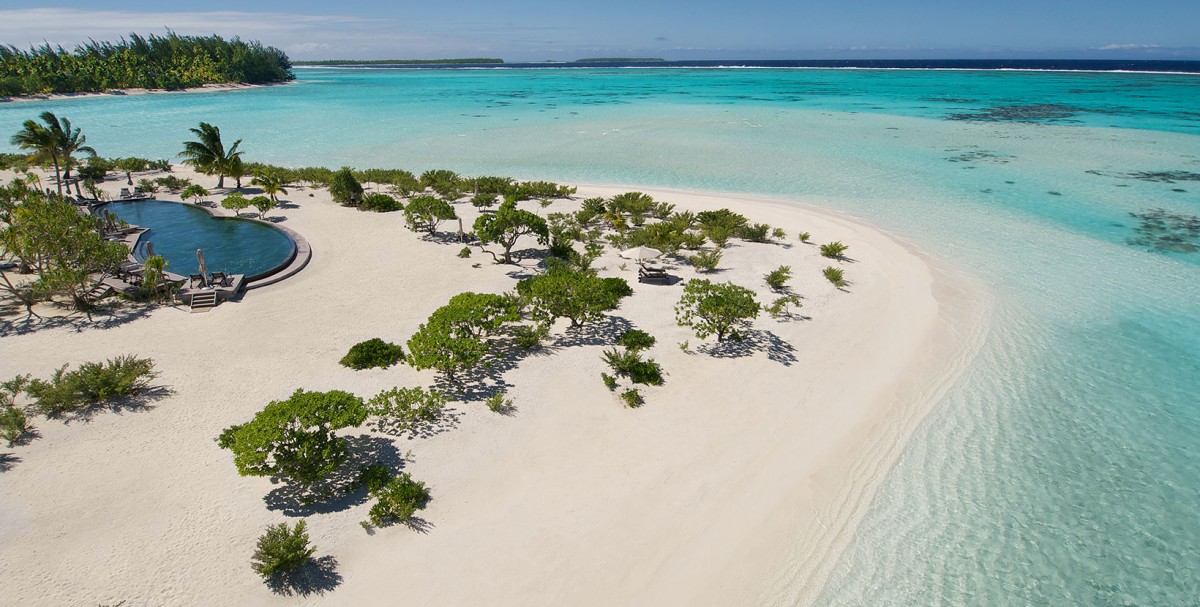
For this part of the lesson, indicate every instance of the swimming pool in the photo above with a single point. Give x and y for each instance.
(230, 245)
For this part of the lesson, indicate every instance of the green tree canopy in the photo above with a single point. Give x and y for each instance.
(57, 140)
(437, 345)
(567, 291)
(60, 244)
(344, 188)
(294, 439)
(710, 308)
(272, 182)
(477, 314)
(507, 225)
(426, 213)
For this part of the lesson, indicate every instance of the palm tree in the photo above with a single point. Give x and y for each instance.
(271, 182)
(208, 154)
(56, 141)
(40, 141)
(69, 142)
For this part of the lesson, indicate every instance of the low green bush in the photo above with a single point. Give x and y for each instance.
(835, 276)
(778, 233)
(374, 477)
(282, 550)
(629, 363)
(464, 252)
(402, 408)
(172, 183)
(93, 383)
(380, 203)
(372, 353)
(777, 278)
(834, 250)
(610, 382)
(705, 261)
(531, 336)
(14, 424)
(398, 501)
(632, 398)
(499, 402)
(147, 186)
(781, 306)
(636, 339)
(804, 236)
(759, 232)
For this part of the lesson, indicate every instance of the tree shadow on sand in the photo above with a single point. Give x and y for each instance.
(105, 316)
(446, 421)
(753, 341)
(341, 489)
(8, 461)
(317, 576)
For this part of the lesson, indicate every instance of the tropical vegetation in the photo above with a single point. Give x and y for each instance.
(721, 309)
(209, 156)
(169, 62)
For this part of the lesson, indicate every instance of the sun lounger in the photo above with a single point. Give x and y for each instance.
(195, 280)
(220, 279)
(653, 274)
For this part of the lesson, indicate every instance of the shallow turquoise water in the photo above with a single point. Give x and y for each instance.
(1063, 467)
(230, 245)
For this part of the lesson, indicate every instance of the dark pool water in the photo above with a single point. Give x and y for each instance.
(234, 246)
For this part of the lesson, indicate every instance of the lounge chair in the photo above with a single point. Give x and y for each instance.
(653, 274)
(125, 193)
(196, 279)
(220, 279)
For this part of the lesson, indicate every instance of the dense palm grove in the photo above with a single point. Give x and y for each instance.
(160, 62)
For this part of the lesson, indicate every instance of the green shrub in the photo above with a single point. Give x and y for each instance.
(464, 252)
(295, 440)
(372, 353)
(147, 186)
(710, 308)
(398, 501)
(401, 409)
(804, 236)
(14, 424)
(759, 232)
(780, 307)
(374, 477)
(282, 550)
(172, 183)
(484, 200)
(629, 363)
(610, 382)
(833, 250)
(499, 402)
(380, 203)
(530, 337)
(835, 276)
(777, 278)
(91, 384)
(343, 187)
(636, 339)
(705, 261)
(632, 398)
(778, 233)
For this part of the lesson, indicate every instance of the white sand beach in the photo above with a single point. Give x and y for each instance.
(736, 483)
(204, 88)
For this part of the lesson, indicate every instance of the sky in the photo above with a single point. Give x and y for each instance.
(563, 30)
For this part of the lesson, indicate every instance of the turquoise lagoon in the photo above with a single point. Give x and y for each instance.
(1064, 466)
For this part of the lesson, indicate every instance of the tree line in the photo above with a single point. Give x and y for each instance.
(159, 62)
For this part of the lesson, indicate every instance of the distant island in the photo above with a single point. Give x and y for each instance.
(170, 62)
(343, 62)
(621, 60)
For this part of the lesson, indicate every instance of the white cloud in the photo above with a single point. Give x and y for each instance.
(1125, 47)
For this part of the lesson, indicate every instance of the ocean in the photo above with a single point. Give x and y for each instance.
(1063, 467)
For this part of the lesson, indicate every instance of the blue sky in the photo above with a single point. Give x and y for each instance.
(536, 30)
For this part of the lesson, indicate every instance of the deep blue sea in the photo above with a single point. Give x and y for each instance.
(1063, 468)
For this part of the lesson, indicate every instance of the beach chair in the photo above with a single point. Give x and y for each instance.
(220, 279)
(196, 279)
(125, 193)
(648, 273)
